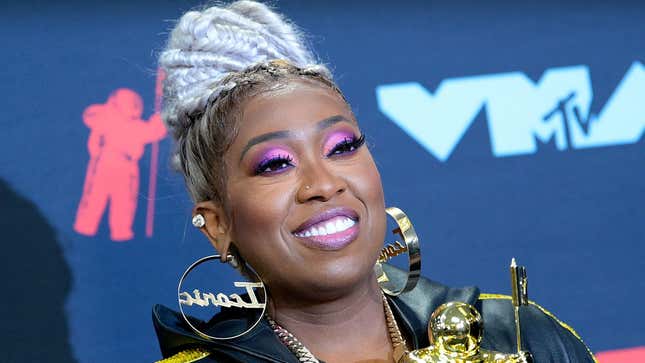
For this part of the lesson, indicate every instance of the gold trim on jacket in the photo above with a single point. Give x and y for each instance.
(187, 356)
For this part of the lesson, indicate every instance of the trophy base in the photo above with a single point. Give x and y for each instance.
(432, 354)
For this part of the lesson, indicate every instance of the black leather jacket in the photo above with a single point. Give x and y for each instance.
(548, 339)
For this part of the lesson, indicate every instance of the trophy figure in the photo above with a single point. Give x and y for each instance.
(456, 330)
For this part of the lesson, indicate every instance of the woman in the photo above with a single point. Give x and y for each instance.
(281, 178)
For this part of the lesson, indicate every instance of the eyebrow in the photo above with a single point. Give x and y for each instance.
(321, 125)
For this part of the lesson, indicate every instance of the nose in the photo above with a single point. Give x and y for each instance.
(320, 182)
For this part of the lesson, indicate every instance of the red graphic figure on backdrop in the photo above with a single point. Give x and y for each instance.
(117, 139)
(628, 355)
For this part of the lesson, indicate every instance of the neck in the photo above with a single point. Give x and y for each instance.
(352, 326)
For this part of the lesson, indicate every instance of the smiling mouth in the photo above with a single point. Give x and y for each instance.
(331, 230)
(329, 227)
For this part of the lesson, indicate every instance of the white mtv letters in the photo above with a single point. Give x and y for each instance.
(520, 112)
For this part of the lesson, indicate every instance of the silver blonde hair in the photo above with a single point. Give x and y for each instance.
(214, 61)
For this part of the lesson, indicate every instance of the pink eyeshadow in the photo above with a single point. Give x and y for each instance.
(336, 138)
(270, 153)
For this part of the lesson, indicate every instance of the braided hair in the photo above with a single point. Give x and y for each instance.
(215, 60)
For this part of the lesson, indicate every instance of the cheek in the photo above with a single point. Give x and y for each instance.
(258, 215)
(368, 182)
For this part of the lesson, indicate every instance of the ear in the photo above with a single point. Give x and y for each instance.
(217, 228)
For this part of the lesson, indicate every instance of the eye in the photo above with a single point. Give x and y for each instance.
(274, 165)
(348, 145)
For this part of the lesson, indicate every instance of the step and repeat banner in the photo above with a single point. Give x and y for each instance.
(503, 129)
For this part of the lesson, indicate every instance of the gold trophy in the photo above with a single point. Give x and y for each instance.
(456, 330)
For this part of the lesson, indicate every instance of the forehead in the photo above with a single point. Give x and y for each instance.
(294, 106)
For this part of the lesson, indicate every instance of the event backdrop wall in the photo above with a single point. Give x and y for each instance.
(502, 128)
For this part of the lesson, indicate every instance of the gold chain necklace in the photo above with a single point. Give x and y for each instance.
(305, 356)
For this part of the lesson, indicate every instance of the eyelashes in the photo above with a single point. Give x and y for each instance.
(283, 161)
(347, 145)
(274, 164)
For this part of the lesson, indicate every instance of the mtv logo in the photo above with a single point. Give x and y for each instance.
(521, 114)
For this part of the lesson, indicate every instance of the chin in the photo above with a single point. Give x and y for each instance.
(339, 277)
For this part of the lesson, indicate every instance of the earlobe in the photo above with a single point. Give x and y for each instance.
(216, 226)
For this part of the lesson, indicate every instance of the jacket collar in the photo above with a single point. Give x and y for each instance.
(261, 343)
(411, 309)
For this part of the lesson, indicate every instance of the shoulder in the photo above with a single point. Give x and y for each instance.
(179, 343)
(543, 334)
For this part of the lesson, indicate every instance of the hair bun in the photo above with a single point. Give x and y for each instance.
(207, 45)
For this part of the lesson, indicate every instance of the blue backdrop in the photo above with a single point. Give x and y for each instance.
(502, 128)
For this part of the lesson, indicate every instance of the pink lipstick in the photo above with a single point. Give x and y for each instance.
(330, 230)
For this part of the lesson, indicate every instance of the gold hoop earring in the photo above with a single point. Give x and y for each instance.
(205, 299)
(411, 240)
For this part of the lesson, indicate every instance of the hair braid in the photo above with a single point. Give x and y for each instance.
(215, 60)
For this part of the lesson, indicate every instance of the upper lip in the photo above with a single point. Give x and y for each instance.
(326, 215)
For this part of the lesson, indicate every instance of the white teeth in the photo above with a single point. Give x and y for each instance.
(330, 227)
(335, 225)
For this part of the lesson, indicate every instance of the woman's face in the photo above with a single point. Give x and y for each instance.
(305, 197)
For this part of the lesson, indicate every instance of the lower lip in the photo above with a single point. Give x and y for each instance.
(334, 241)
